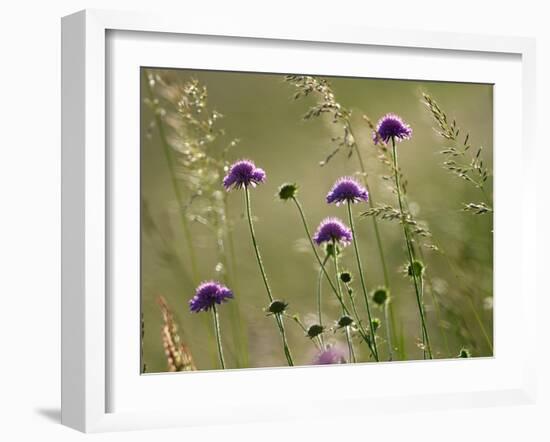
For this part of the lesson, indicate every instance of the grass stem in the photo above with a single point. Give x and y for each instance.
(218, 335)
(362, 279)
(380, 247)
(338, 285)
(408, 242)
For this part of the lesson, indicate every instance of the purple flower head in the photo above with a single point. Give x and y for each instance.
(208, 294)
(243, 173)
(345, 190)
(330, 355)
(332, 229)
(392, 126)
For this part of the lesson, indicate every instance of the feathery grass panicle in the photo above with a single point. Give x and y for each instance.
(178, 356)
(199, 147)
(325, 104)
(477, 208)
(462, 160)
(196, 149)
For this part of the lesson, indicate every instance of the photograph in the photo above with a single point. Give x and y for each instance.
(310, 220)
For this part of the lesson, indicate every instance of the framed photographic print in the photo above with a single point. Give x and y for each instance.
(250, 210)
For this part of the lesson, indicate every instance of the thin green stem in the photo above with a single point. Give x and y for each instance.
(351, 351)
(402, 350)
(218, 335)
(338, 285)
(278, 318)
(409, 251)
(319, 292)
(296, 319)
(388, 331)
(286, 348)
(321, 263)
(374, 220)
(437, 307)
(319, 298)
(378, 241)
(356, 313)
(424, 339)
(328, 278)
(362, 279)
(238, 324)
(455, 272)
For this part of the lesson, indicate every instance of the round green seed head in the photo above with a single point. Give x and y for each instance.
(315, 330)
(417, 269)
(344, 321)
(380, 296)
(277, 307)
(288, 191)
(346, 277)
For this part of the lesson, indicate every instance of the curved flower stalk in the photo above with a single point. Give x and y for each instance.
(207, 296)
(330, 229)
(319, 289)
(314, 332)
(347, 190)
(334, 232)
(244, 174)
(418, 230)
(327, 104)
(381, 299)
(391, 128)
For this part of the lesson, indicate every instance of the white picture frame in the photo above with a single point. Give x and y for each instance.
(89, 324)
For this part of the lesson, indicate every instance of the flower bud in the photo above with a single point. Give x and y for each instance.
(345, 277)
(345, 321)
(277, 307)
(315, 330)
(417, 269)
(380, 296)
(329, 249)
(287, 191)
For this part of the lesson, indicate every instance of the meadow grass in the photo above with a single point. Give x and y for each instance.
(203, 163)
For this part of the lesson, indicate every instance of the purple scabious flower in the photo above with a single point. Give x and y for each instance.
(347, 190)
(332, 229)
(243, 173)
(330, 355)
(392, 126)
(207, 295)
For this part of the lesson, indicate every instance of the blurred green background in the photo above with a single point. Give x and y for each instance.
(259, 109)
